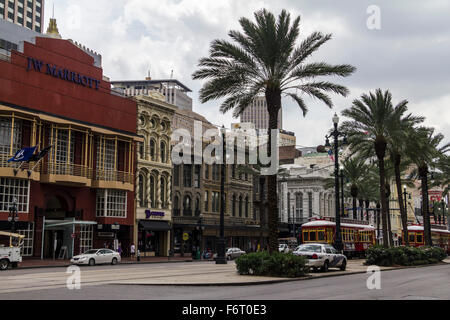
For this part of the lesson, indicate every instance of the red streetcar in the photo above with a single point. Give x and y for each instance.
(439, 235)
(357, 236)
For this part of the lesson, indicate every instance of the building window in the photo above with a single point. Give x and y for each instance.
(206, 171)
(14, 188)
(215, 202)
(63, 153)
(233, 204)
(27, 248)
(106, 152)
(86, 236)
(152, 149)
(246, 207)
(176, 175)
(187, 210)
(5, 136)
(111, 203)
(299, 205)
(197, 176)
(163, 152)
(197, 206)
(187, 175)
(310, 200)
(240, 206)
(206, 201)
(141, 151)
(176, 205)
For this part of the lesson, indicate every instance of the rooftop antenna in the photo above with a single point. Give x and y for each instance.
(171, 74)
(53, 14)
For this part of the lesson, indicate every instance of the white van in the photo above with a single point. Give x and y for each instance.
(10, 255)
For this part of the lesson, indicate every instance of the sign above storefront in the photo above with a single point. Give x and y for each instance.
(61, 73)
(149, 214)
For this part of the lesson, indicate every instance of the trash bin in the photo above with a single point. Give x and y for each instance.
(197, 255)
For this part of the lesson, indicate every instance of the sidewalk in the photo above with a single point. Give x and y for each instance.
(28, 263)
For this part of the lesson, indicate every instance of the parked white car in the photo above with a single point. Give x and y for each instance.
(322, 256)
(97, 256)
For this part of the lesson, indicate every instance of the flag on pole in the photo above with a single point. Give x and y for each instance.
(40, 155)
(23, 154)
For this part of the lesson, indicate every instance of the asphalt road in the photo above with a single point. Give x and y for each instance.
(430, 282)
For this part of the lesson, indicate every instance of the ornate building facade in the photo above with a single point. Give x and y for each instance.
(154, 175)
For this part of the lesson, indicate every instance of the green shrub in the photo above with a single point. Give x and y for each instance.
(405, 256)
(275, 265)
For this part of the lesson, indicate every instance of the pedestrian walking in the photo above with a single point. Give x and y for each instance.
(132, 251)
(119, 249)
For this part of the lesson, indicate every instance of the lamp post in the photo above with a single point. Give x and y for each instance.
(341, 175)
(221, 241)
(13, 215)
(443, 211)
(335, 133)
(200, 227)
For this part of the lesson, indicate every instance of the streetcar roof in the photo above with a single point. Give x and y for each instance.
(325, 223)
(420, 228)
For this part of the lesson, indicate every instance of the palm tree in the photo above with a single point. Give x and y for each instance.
(373, 118)
(265, 59)
(424, 154)
(398, 150)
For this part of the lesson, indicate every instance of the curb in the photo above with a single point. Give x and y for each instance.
(308, 277)
(121, 263)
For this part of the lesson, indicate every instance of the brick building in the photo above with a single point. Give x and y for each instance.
(82, 194)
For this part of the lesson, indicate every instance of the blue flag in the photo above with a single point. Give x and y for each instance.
(23, 154)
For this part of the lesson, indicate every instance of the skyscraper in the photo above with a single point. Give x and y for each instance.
(26, 13)
(257, 114)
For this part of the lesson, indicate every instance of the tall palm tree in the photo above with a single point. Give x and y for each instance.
(397, 151)
(424, 154)
(265, 59)
(373, 118)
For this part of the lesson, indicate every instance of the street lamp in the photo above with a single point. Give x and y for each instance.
(335, 133)
(221, 241)
(443, 211)
(200, 227)
(13, 215)
(341, 175)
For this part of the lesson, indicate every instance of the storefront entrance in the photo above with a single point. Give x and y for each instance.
(153, 238)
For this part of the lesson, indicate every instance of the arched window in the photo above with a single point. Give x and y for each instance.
(240, 206)
(176, 175)
(152, 192)
(246, 207)
(310, 204)
(187, 211)
(176, 205)
(197, 206)
(142, 200)
(299, 205)
(233, 208)
(152, 150)
(289, 206)
(163, 151)
(206, 200)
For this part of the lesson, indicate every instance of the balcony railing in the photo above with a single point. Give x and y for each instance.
(14, 165)
(113, 175)
(68, 169)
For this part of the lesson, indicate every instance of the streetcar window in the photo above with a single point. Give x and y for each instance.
(312, 236)
(419, 238)
(321, 235)
(305, 236)
(411, 237)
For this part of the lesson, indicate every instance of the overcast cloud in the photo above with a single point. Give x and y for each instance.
(409, 55)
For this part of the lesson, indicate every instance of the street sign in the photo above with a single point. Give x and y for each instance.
(185, 236)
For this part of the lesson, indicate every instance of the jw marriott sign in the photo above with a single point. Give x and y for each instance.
(61, 73)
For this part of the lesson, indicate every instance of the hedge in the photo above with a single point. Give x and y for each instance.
(404, 256)
(275, 265)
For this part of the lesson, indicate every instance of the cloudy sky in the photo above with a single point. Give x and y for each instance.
(409, 54)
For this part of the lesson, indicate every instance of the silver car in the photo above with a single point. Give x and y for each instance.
(321, 256)
(97, 256)
(233, 253)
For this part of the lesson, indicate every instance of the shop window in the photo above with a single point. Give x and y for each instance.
(27, 248)
(86, 236)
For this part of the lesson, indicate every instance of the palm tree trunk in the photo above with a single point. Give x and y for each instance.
(354, 213)
(391, 241)
(273, 99)
(401, 204)
(423, 171)
(380, 149)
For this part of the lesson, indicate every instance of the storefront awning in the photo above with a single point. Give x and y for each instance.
(154, 225)
(59, 223)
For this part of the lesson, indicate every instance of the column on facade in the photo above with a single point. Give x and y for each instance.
(137, 189)
(151, 205)
(169, 191)
(158, 191)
